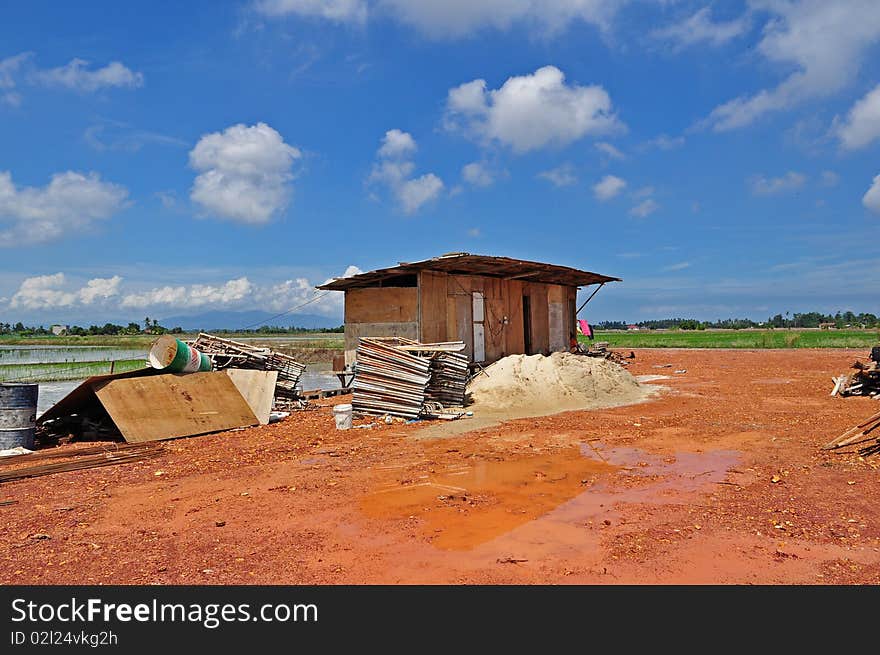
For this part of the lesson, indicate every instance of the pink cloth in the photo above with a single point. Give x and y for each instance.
(584, 328)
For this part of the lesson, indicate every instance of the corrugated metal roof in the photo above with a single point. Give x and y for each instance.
(462, 263)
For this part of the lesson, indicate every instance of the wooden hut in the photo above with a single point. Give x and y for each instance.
(496, 305)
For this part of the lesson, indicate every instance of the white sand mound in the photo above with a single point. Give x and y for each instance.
(534, 385)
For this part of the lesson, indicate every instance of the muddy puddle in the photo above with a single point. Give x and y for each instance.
(462, 507)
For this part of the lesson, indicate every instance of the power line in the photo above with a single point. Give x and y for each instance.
(272, 318)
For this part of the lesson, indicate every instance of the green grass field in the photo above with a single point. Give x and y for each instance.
(779, 338)
(51, 371)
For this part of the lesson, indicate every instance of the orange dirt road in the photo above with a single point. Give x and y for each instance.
(717, 479)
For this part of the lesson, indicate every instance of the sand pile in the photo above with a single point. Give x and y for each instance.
(533, 385)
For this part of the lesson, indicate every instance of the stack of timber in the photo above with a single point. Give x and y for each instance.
(449, 372)
(862, 435)
(406, 378)
(389, 380)
(226, 353)
(864, 382)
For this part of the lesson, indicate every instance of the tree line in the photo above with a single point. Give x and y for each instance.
(151, 326)
(788, 320)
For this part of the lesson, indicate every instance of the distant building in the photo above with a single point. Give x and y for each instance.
(60, 330)
(633, 327)
(827, 326)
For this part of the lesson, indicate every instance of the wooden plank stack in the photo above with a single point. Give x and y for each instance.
(226, 353)
(389, 380)
(399, 376)
(862, 435)
(449, 372)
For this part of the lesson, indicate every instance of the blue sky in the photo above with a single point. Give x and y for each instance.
(158, 159)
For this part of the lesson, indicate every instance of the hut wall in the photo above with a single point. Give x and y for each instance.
(380, 312)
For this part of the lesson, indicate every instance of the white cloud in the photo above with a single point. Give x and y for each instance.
(416, 192)
(825, 43)
(699, 28)
(244, 173)
(340, 11)
(49, 292)
(75, 75)
(644, 192)
(397, 144)
(459, 18)
(394, 171)
(530, 111)
(608, 187)
(560, 176)
(768, 186)
(871, 199)
(677, 267)
(644, 208)
(609, 150)
(475, 232)
(9, 68)
(477, 174)
(862, 124)
(99, 289)
(71, 202)
(196, 295)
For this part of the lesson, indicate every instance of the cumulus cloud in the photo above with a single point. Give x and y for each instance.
(645, 208)
(530, 111)
(397, 144)
(460, 18)
(824, 42)
(395, 171)
(340, 11)
(53, 292)
(608, 187)
(768, 186)
(560, 176)
(71, 202)
(871, 199)
(477, 174)
(76, 76)
(56, 292)
(245, 173)
(196, 295)
(700, 28)
(862, 125)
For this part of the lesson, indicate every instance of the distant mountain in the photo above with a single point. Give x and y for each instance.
(220, 320)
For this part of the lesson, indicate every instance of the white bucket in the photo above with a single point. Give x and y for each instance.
(342, 415)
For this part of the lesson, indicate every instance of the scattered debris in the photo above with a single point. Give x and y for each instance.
(600, 349)
(12, 452)
(864, 382)
(136, 454)
(226, 353)
(859, 435)
(510, 560)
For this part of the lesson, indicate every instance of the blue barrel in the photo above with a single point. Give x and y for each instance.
(18, 414)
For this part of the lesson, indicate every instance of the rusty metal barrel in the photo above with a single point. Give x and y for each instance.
(18, 414)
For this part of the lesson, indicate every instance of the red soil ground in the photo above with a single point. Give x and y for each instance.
(718, 479)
